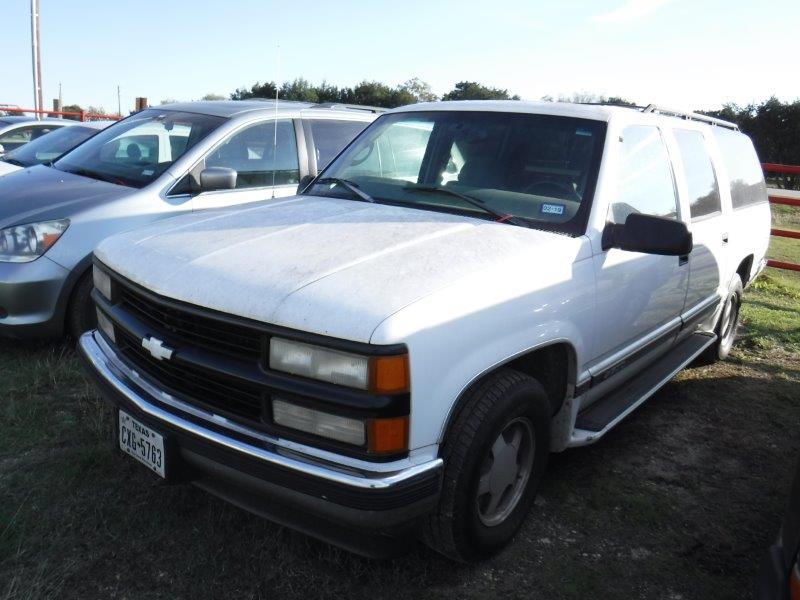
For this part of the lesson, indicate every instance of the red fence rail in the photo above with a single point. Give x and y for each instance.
(81, 115)
(788, 199)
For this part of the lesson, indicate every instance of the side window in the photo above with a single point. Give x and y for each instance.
(331, 136)
(15, 138)
(259, 156)
(40, 131)
(700, 178)
(644, 181)
(744, 169)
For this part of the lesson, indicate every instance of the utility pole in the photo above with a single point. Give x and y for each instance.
(37, 58)
(119, 103)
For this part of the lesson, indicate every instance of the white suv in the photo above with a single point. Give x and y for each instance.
(466, 288)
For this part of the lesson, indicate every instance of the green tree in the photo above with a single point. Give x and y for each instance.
(258, 90)
(419, 90)
(300, 90)
(72, 108)
(471, 90)
(213, 97)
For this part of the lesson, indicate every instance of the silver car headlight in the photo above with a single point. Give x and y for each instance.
(25, 243)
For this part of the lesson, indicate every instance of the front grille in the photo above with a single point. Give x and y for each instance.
(202, 387)
(187, 328)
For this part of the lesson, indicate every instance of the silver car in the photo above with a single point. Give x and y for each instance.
(157, 163)
(16, 131)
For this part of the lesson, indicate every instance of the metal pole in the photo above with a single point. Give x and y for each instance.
(119, 103)
(37, 61)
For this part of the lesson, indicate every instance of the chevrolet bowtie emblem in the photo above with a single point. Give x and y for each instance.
(157, 349)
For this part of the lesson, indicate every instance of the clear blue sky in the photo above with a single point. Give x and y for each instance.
(687, 53)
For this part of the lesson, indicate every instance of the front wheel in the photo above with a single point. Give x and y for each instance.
(81, 315)
(495, 456)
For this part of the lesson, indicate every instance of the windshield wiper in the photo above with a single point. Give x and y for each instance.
(478, 203)
(349, 185)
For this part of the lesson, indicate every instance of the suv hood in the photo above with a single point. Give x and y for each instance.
(41, 193)
(328, 266)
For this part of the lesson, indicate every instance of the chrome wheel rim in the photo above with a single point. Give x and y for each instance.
(505, 472)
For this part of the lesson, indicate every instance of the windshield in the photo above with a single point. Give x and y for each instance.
(510, 167)
(137, 150)
(49, 147)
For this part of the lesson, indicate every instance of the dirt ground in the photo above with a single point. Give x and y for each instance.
(679, 502)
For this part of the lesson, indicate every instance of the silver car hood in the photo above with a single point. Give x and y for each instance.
(334, 267)
(42, 193)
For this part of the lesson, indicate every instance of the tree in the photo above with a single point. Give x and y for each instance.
(72, 108)
(169, 101)
(419, 90)
(471, 90)
(213, 97)
(258, 90)
(300, 90)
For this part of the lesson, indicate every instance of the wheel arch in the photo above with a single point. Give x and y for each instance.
(552, 363)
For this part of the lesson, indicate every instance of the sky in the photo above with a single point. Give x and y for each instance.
(688, 54)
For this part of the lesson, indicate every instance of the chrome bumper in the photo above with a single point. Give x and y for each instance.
(130, 387)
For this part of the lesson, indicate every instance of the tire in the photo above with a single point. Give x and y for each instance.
(81, 315)
(465, 526)
(727, 325)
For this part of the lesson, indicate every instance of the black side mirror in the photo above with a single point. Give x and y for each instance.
(649, 234)
(217, 178)
(304, 182)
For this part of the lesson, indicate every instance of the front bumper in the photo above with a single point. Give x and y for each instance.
(29, 298)
(367, 511)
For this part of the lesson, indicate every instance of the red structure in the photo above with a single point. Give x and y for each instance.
(788, 199)
(81, 116)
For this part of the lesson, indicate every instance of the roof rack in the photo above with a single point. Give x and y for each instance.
(372, 109)
(689, 116)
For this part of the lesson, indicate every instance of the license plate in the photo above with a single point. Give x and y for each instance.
(142, 443)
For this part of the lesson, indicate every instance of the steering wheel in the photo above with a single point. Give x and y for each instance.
(562, 190)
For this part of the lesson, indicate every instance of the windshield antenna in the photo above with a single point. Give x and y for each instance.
(275, 124)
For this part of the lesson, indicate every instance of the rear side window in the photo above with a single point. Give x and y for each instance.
(744, 169)
(699, 172)
(330, 137)
(645, 183)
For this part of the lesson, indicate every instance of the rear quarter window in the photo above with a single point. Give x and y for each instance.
(745, 176)
(701, 181)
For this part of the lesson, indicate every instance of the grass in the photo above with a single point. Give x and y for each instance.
(680, 501)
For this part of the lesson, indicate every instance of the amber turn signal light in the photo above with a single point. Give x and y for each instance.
(387, 435)
(389, 374)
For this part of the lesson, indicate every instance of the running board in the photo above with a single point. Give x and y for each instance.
(599, 418)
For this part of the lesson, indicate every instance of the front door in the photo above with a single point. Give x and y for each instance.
(639, 296)
(266, 164)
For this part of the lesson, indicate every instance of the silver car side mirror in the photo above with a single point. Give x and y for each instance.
(217, 178)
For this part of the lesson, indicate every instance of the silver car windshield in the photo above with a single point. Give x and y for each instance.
(515, 168)
(137, 150)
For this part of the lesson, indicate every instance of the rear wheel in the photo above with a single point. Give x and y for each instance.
(727, 325)
(81, 315)
(495, 455)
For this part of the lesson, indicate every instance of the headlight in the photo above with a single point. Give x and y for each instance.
(25, 243)
(378, 374)
(102, 281)
(334, 427)
(380, 436)
(105, 325)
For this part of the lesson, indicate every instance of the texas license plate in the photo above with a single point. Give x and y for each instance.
(142, 443)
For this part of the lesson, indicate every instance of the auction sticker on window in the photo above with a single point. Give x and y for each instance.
(142, 443)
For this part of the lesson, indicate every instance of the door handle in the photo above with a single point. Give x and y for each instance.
(724, 238)
(682, 260)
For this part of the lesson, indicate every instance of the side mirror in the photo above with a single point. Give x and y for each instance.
(217, 178)
(649, 234)
(304, 181)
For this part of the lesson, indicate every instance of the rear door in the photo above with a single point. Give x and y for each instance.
(699, 184)
(327, 137)
(639, 296)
